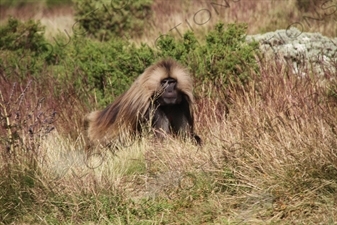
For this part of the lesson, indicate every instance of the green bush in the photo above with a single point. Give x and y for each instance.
(105, 19)
(107, 69)
(23, 48)
(100, 69)
(103, 70)
(12, 3)
(228, 58)
(16, 35)
(224, 59)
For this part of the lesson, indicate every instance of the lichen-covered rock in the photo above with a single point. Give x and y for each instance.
(300, 50)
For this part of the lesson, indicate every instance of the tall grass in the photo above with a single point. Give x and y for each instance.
(269, 153)
(279, 138)
(176, 17)
(270, 158)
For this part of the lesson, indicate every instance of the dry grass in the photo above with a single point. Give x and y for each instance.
(176, 17)
(271, 159)
(56, 20)
(279, 141)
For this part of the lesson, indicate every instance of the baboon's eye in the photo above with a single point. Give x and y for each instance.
(164, 83)
(167, 81)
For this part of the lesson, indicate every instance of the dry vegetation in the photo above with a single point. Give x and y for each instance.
(261, 16)
(270, 159)
(199, 16)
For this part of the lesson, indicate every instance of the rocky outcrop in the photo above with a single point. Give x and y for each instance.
(300, 50)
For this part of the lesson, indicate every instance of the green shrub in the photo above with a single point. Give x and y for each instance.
(23, 49)
(105, 19)
(12, 3)
(224, 59)
(228, 58)
(100, 69)
(16, 35)
(104, 70)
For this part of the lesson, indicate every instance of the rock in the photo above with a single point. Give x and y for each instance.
(300, 50)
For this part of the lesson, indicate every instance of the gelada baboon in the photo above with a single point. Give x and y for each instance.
(160, 97)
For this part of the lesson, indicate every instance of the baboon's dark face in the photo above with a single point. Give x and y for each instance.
(170, 95)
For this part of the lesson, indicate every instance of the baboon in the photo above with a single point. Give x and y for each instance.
(160, 98)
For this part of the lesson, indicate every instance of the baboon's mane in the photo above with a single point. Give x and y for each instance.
(124, 114)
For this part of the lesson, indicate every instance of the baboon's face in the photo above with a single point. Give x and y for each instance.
(170, 95)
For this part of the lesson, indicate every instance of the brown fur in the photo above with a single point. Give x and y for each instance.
(128, 109)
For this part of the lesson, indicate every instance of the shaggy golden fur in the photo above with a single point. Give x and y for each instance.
(129, 109)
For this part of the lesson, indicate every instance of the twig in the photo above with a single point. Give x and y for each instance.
(8, 122)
